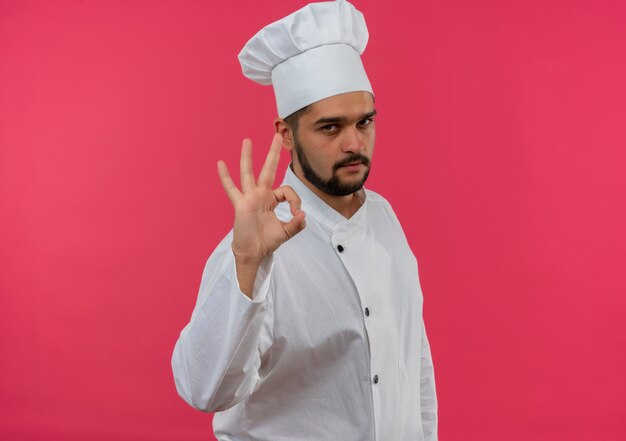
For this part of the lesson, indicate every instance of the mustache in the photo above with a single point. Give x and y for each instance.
(355, 157)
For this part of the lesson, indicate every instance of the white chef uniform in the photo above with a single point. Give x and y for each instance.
(332, 345)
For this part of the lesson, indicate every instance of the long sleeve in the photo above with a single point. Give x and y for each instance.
(428, 397)
(216, 358)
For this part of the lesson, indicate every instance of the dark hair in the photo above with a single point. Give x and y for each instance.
(294, 119)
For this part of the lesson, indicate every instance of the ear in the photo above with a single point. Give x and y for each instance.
(285, 131)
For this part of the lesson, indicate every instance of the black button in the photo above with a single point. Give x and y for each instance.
(367, 312)
(340, 248)
(375, 379)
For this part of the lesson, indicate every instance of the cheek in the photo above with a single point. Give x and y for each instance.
(371, 138)
(322, 153)
(325, 163)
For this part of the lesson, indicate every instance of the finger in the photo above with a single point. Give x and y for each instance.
(286, 193)
(295, 225)
(268, 172)
(232, 191)
(247, 176)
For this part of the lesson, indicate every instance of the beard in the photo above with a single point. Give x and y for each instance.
(332, 186)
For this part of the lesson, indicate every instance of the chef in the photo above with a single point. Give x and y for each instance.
(308, 323)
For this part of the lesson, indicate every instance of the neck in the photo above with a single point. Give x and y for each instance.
(344, 205)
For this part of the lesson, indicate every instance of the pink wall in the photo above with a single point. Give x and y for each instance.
(501, 145)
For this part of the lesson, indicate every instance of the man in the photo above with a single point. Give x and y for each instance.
(308, 324)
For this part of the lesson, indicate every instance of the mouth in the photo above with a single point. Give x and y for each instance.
(353, 164)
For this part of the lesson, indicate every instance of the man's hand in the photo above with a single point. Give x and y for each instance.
(257, 231)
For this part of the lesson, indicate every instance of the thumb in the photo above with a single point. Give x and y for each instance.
(295, 225)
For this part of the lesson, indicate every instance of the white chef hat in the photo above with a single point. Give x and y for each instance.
(311, 54)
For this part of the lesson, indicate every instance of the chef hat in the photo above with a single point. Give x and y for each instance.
(311, 54)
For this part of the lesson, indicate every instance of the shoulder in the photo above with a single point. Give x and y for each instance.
(381, 213)
(388, 227)
(378, 203)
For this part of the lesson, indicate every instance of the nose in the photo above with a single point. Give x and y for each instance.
(353, 140)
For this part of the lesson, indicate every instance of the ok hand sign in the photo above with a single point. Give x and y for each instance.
(257, 231)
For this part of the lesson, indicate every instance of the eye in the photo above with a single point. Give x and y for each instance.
(366, 122)
(329, 128)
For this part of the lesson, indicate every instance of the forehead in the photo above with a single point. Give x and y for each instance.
(351, 104)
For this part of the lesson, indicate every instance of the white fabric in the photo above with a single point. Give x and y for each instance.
(298, 361)
(311, 54)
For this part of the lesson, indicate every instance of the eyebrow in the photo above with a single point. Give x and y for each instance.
(342, 119)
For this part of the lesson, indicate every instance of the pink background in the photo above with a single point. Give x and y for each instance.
(501, 145)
